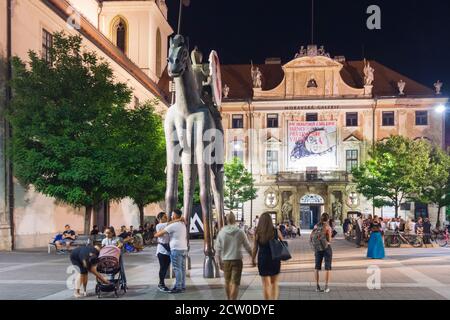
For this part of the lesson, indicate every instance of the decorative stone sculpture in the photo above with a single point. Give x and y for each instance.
(438, 86)
(401, 87)
(226, 91)
(286, 210)
(256, 77)
(368, 73)
(337, 210)
(185, 125)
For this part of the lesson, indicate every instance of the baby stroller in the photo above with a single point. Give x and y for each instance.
(109, 266)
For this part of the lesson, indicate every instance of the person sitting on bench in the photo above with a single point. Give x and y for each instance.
(68, 237)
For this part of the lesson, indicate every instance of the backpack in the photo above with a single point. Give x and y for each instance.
(319, 238)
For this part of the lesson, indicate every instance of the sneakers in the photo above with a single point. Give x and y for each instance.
(175, 291)
(326, 290)
(163, 288)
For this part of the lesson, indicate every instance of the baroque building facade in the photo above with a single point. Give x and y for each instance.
(132, 37)
(301, 127)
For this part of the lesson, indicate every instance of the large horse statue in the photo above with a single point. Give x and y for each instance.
(194, 142)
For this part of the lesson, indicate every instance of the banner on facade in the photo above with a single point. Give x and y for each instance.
(312, 144)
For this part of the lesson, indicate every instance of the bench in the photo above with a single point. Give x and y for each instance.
(79, 242)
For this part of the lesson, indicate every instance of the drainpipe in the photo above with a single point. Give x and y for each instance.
(8, 164)
(251, 154)
(99, 12)
(373, 141)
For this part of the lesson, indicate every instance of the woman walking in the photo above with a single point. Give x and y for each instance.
(268, 268)
(376, 247)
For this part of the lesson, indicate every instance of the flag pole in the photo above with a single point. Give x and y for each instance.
(179, 16)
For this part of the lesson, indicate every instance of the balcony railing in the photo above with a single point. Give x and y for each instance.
(313, 176)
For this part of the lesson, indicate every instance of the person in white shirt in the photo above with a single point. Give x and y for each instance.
(110, 239)
(163, 251)
(178, 247)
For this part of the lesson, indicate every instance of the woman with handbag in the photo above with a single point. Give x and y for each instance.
(268, 268)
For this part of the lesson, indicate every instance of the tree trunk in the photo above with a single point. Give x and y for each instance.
(396, 211)
(438, 222)
(87, 220)
(141, 214)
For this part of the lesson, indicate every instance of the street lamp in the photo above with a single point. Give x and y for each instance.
(441, 108)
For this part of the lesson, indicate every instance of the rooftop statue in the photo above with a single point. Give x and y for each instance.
(438, 86)
(368, 73)
(401, 87)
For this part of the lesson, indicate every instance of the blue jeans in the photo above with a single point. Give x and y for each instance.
(178, 259)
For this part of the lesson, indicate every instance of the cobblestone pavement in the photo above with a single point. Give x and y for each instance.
(406, 274)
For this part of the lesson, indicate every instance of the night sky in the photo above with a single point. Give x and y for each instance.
(414, 38)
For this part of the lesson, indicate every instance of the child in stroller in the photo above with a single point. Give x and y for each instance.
(110, 265)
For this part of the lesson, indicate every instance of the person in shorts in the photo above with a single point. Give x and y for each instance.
(327, 254)
(68, 237)
(86, 260)
(229, 243)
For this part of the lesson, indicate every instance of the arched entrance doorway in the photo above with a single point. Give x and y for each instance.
(311, 207)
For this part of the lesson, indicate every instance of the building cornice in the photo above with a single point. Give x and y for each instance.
(60, 7)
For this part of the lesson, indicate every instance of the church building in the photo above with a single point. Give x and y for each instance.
(132, 37)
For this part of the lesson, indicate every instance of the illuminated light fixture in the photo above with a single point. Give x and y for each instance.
(441, 108)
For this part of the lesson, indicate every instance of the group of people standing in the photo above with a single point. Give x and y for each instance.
(371, 229)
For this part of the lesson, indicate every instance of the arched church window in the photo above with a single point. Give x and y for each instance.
(158, 53)
(120, 33)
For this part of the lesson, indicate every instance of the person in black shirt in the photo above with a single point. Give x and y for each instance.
(86, 260)
(68, 237)
(95, 231)
(427, 231)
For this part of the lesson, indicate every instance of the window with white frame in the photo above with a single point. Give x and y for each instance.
(272, 162)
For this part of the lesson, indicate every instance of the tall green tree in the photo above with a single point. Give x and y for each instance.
(239, 185)
(62, 116)
(436, 189)
(395, 171)
(139, 155)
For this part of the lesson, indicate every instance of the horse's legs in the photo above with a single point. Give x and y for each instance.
(172, 187)
(210, 267)
(189, 180)
(217, 187)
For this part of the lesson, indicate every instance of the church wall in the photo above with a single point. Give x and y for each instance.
(37, 218)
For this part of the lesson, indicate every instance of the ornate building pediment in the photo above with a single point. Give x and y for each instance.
(310, 76)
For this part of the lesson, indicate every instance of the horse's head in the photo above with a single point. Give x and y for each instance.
(178, 56)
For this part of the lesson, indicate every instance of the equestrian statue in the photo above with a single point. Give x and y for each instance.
(195, 141)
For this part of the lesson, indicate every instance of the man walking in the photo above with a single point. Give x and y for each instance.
(359, 230)
(230, 241)
(178, 247)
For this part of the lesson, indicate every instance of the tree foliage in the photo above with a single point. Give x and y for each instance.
(74, 139)
(239, 185)
(436, 188)
(396, 171)
(139, 159)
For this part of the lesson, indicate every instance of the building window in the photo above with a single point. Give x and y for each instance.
(311, 117)
(351, 160)
(388, 119)
(237, 121)
(272, 121)
(272, 162)
(47, 44)
(158, 53)
(352, 119)
(421, 118)
(120, 33)
(237, 150)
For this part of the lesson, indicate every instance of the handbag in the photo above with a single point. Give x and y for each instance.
(279, 249)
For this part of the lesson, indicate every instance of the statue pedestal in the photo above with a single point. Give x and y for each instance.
(368, 90)
(210, 268)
